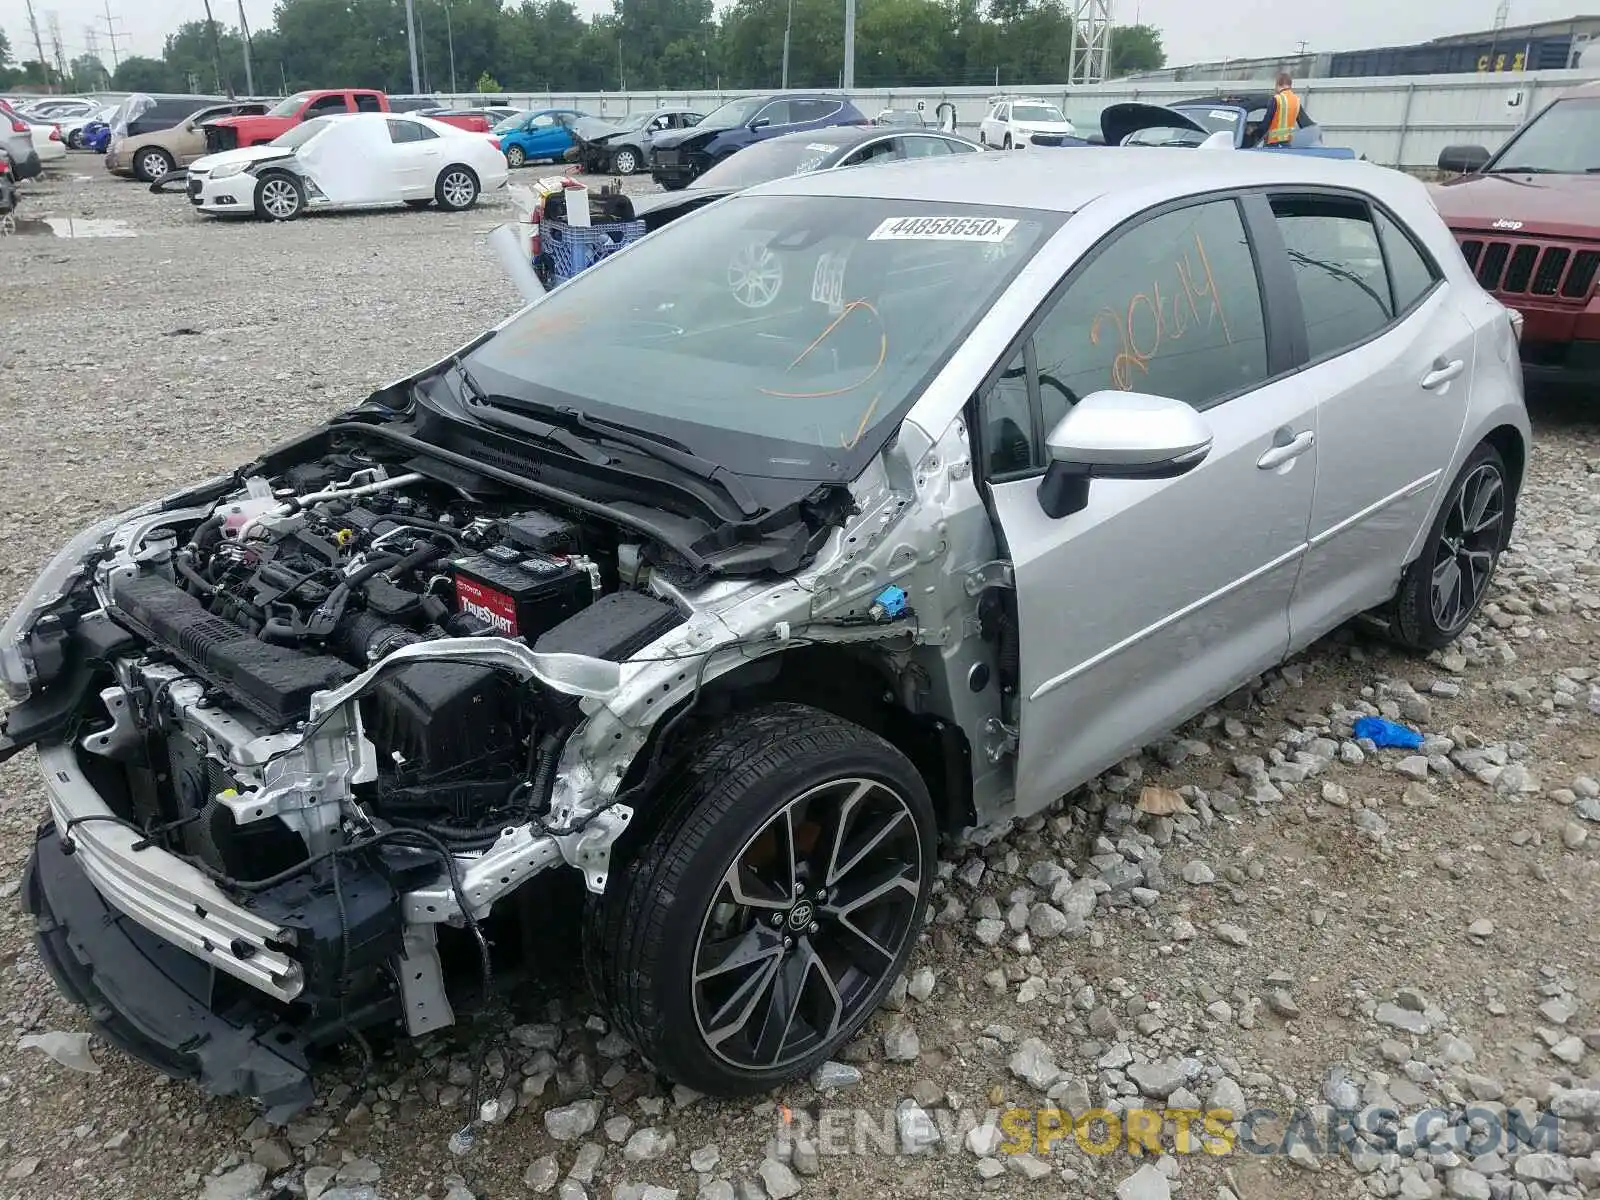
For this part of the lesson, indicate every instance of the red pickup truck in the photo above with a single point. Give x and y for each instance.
(229, 133)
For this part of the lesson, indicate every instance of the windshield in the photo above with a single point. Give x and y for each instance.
(733, 113)
(1166, 136)
(782, 336)
(1036, 112)
(302, 133)
(1216, 120)
(288, 108)
(766, 161)
(1562, 140)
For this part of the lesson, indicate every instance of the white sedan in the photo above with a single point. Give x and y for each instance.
(47, 140)
(362, 160)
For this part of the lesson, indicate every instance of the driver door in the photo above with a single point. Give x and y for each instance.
(1160, 596)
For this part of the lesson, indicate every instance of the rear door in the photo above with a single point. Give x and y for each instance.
(1161, 595)
(412, 158)
(1392, 354)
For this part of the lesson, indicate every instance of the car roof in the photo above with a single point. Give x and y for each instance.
(1066, 180)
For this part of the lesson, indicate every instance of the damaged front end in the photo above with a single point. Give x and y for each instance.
(300, 724)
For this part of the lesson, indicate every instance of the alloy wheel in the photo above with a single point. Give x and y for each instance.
(515, 157)
(807, 921)
(754, 275)
(278, 197)
(1465, 555)
(625, 162)
(155, 166)
(458, 188)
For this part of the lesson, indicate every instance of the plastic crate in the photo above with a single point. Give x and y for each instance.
(565, 250)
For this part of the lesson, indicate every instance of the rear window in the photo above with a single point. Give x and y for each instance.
(766, 161)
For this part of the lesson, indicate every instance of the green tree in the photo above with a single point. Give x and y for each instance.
(5, 49)
(488, 85)
(140, 74)
(87, 73)
(1136, 48)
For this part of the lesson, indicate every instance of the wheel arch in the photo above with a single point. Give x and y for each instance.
(856, 682)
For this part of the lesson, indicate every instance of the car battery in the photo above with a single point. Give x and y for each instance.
(517, 593)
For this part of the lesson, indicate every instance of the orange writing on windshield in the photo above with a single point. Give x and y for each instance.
(1155, 318)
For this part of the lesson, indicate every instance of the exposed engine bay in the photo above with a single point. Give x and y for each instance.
(305, 581)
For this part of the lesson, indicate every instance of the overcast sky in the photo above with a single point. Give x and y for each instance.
(1195, 30)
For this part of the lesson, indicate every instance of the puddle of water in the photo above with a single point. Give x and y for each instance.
(76, 227)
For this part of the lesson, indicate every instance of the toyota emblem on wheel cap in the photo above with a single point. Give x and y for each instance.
(801, 915)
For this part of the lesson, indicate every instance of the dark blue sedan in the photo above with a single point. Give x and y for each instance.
(678, 157)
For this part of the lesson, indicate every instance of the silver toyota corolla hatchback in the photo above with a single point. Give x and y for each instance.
(851, 510)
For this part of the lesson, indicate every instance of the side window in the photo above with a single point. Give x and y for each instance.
(368, 104)
(404, 131)
(327, 104)
(1338, 269)
(542, 121)
(658, 123)
(880, 151)
(776, 113)
(801, 111)
(1412, 272)
(690, 119)
(1170, 307)
(1012, 443)
(921, 147)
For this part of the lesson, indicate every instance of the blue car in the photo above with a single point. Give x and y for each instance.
(530, 137)
(1194, 122)
(678, 156)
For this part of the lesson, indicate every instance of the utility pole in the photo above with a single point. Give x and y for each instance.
(849, 80)
(216, 49)
(622, 80)
(788, 25)
(411, 39)
(38, 46)
(111, 32)
(249, 68)
(55, 44)
(450, 36)
(91, 43)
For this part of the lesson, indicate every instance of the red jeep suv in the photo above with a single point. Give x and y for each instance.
(1528, 220)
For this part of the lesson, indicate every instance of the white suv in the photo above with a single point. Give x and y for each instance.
(1013, 124)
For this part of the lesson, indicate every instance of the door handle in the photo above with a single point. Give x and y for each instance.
(1290, 450)
(1444, 370)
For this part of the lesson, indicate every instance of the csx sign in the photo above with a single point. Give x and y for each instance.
(1503, 62)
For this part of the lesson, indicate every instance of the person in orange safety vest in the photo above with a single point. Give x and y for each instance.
(1284, 117)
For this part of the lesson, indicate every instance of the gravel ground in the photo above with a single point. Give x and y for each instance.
(1320, 926)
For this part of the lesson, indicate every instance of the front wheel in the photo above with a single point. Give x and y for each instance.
(456, 189)
(151, 163)
(625, 161)
(1443, 589)
(1008, 141)
(761, 924)
(516, 157)
(280, 196)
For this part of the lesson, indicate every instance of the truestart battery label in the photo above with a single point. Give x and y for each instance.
(487, 604)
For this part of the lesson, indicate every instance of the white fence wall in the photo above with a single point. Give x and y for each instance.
(1401, 121)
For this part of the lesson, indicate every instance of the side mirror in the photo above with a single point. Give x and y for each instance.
(1119, 435)
(1463, 160)
(760, 122)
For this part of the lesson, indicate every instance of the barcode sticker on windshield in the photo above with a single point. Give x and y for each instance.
(1222, 114)
(827, 284)
(943, 229)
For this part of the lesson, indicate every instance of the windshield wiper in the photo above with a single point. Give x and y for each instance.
(1525, 171)
(484, 409)
(662, 449)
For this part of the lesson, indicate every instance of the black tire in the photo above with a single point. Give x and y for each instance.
(150, 163)
(674, 183)
(1007, 144)
(280, 196)
(645, 935)
(516, 157)
(75, 140)
(626, 160)
(456, 189)
(983, 139)
(1464, 545)
(419, 203)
